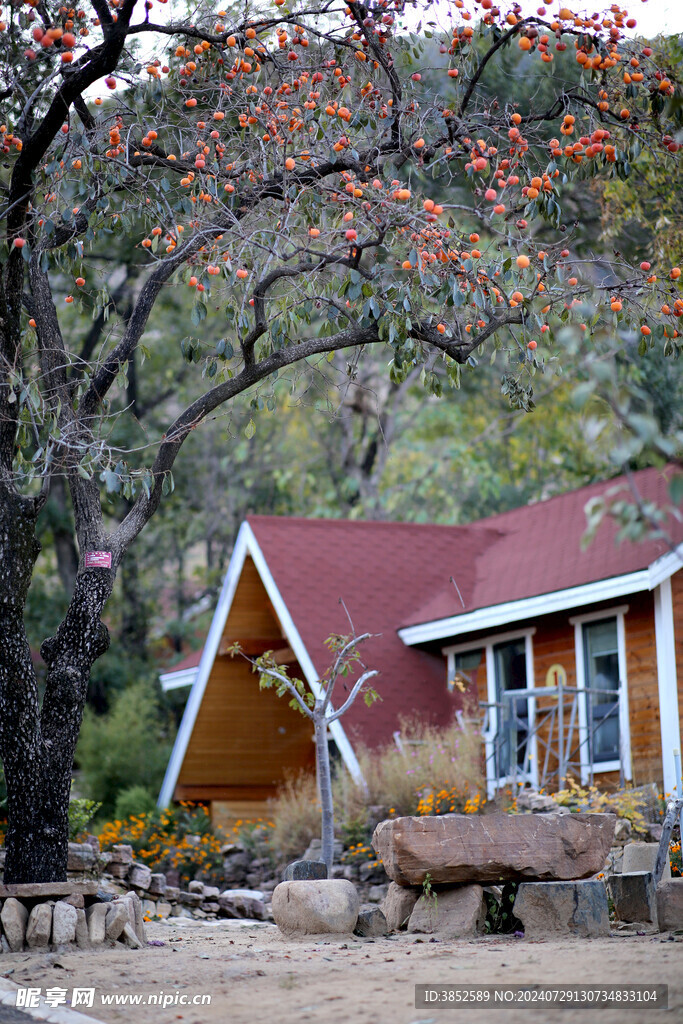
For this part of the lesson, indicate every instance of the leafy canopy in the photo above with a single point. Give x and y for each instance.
(318, 178)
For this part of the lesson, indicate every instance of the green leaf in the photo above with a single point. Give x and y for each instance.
(111, 481)
(250, 429)
(676, 489)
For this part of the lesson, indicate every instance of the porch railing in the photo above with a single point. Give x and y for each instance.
(546, 743)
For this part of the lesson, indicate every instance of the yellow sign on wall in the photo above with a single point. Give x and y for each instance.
(556, 676)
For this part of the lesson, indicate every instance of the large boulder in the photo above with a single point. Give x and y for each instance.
(458, 848)
(670, 904)
(450, 914)
(563, 908)
(324, 906)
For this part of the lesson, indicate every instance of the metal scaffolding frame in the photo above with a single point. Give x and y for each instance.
(566, 736)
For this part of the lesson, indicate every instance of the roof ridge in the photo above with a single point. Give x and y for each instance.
(472, 524)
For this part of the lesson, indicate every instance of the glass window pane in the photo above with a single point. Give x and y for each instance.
(513, 725)
(466, 668)
(602, 677)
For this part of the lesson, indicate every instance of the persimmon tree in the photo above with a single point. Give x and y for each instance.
(288, 166)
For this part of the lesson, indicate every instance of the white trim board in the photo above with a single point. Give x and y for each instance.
(665, 567)
(667, 682)
(528, 607)
(246, 544)
(175, 680)
(204, 669)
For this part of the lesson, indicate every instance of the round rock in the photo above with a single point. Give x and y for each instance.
(316, 907)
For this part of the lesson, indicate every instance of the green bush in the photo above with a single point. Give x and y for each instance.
(81, 813)
(134, 800)
(126, 747)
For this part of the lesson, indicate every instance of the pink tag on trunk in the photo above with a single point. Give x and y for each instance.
(98, 559)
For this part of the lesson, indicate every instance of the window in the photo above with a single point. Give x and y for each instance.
(600, 645)
(601, 677)
(510, 667)
(465, 668)
(507, 661)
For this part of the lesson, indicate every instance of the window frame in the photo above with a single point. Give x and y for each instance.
(578, 621)
(487, 644)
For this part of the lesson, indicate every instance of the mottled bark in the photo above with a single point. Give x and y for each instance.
(37, 743)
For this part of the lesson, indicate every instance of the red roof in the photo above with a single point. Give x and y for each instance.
(391, 575)
(381, 571)
(537, 549)
(190, 660)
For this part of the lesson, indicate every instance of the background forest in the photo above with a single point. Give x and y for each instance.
(365, 449)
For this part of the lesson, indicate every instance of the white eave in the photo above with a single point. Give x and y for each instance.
(497, 615)
(174, 680)
(246, 544)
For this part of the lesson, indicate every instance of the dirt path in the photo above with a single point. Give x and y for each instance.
(252, 975)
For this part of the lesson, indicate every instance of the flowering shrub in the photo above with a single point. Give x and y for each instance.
(625, 803)
(360, 853)
(178, 838)
(443, 766)
(450, 801)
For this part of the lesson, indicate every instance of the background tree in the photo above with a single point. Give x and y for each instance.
(274, 162)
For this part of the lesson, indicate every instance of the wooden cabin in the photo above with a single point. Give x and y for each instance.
(590, 641)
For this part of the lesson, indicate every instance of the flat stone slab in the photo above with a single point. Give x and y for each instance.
(492, 848)
(563, 908)
(48, 890)
(304, 870)
(642, 857)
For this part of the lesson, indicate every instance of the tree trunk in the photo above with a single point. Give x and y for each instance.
(322, 752)
(134, 619)
(37, 744)
(63, 533)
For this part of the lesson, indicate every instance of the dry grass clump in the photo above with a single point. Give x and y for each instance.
(295, 814)
(439, 770)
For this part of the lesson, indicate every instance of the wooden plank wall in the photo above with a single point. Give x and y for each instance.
(245, 740)
(643, 690)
